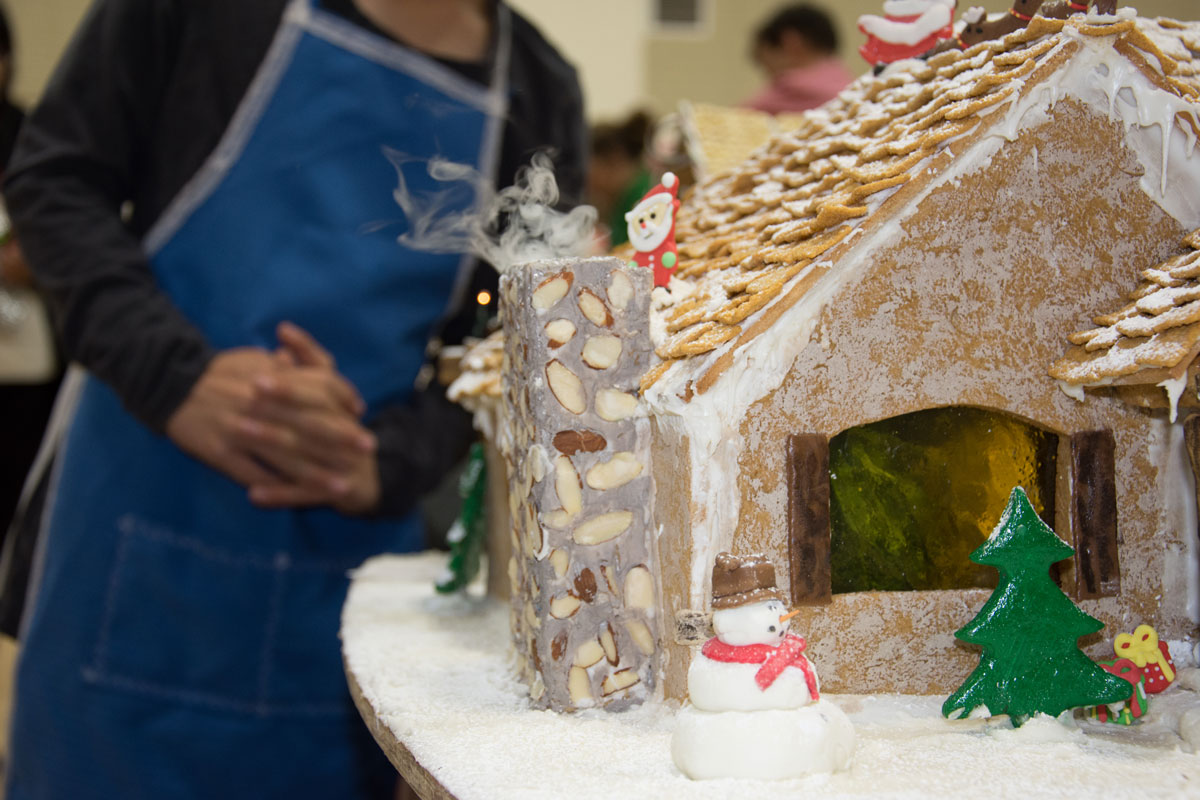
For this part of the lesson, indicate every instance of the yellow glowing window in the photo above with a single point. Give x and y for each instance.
(912, 496)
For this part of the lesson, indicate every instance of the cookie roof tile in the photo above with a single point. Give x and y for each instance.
(1151, 339)
(478, 381)
(758, 239)
(720, 138)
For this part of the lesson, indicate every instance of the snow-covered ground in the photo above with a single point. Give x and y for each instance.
(436, 671)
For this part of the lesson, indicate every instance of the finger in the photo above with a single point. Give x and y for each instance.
(357, 493)
(308, 350)
(336, 443)
(308, 388)
(355, 500)
(258, 437)
(323, 435)
(284, 357)
(245, 470)
(315, 479)
(293, 467)
(321, 428)
(286, 495)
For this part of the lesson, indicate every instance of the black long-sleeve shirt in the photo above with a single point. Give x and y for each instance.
(141, 98)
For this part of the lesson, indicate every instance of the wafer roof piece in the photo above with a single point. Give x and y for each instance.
(478, 381)
(720, 138)
(1153, 338)
(755, 241)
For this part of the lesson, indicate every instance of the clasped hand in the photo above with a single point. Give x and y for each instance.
(284, 424)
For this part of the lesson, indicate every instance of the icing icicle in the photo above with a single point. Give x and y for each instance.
(1174, 387)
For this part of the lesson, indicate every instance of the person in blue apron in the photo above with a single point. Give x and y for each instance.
(248, 428)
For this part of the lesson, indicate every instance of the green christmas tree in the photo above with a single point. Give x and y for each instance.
(1029, 630)
(466, 536)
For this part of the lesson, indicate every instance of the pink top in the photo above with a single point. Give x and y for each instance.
(802, 88)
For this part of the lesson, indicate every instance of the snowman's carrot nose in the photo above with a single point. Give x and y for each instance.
(789, 615)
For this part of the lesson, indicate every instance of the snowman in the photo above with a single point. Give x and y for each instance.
(756, 709)
(651, 228)
(907, 29)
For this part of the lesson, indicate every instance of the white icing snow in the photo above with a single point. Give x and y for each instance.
(468, 383)
(438, 675)
(675, 292)
(770, 745)
(1174, 387)
(1042, 729)
(1189, 728)
(1072, 390)
(1101, 77)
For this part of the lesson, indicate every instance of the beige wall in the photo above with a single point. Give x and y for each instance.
(41, 29)
(606, 43)
(622, 62)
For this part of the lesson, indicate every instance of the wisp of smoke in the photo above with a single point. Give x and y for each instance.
(465, 214)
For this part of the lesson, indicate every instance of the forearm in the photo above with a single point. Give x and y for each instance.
(417, 445)
(112, 317)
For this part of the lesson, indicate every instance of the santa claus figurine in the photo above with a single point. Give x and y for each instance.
(651, 226)
(907, 29)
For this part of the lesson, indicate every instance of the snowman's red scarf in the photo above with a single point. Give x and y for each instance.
(774, 660)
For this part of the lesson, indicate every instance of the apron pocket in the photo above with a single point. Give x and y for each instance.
(187, 621)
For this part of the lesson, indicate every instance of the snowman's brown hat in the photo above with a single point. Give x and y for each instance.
(738, 580)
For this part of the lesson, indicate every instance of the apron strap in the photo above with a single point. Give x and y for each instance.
(20, 561)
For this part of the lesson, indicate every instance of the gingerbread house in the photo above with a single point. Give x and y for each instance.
(851, 372)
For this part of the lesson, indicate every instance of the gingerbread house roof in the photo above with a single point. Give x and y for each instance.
(720, 138)
(1153, 338)
(760, 239)
(478, 379)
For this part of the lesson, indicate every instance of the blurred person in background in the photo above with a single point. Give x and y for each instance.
(11, 115)
(617, 173)
(29, 365)
(796, 48)
(204, 193)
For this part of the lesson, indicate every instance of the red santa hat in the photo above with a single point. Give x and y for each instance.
(668, 185)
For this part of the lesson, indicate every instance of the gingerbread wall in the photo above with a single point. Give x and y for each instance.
(968, 305)
(672, 519)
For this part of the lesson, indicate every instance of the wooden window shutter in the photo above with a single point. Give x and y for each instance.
(1094, 514)
(808, 518)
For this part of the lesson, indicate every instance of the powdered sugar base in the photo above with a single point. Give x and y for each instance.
(436, 672)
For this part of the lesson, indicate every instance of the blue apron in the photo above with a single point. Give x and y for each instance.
(183, 643)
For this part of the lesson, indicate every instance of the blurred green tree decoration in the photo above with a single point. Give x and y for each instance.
(466, 536)
(1029, 630)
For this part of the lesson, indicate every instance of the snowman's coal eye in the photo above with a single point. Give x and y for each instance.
(771, 629)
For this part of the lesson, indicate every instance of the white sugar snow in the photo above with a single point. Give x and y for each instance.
(438, 676)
